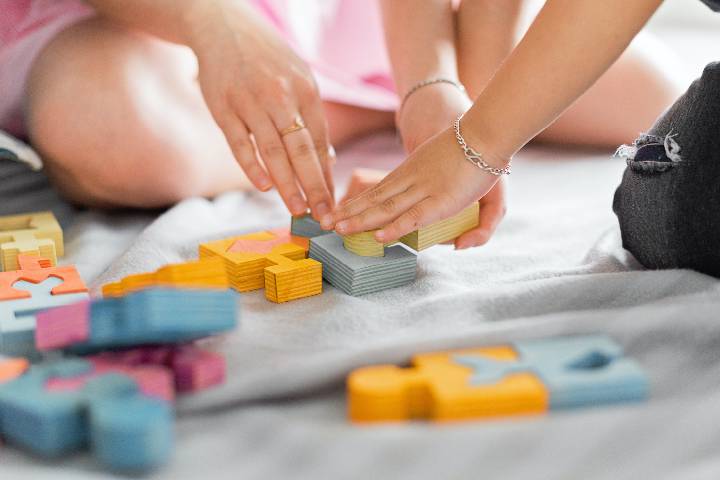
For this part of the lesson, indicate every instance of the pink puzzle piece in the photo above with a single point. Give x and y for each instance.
(282, 236)
(153, 381)
(193, 369)
(62, 326)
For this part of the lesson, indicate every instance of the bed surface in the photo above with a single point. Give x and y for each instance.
(555, 267)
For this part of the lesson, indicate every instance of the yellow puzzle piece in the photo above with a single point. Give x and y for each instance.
(365, 245)
(206, 273)
(437, 387)
(31, 233)
(273, 259)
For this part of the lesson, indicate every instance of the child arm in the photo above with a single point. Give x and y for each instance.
(568, 47)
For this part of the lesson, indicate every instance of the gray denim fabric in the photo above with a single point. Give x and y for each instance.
(668, 203)
(713, 4)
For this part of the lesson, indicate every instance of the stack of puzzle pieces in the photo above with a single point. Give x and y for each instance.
(119, 400)
(526, 377)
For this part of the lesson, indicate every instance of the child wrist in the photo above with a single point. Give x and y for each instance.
(480, 153)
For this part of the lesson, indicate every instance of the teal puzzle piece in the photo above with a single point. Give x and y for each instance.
(577, 371)
(125, 429)
(17, 317)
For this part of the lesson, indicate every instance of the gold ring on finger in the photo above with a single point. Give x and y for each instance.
(299, 124)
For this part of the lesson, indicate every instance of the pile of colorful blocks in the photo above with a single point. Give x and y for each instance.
(105, 371)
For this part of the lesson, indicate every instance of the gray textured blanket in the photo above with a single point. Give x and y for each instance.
(554, 267)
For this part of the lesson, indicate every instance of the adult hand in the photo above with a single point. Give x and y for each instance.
(261, 94)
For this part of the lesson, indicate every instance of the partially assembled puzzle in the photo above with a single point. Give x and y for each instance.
(520, 378)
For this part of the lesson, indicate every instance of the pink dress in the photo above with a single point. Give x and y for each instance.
(341, 40)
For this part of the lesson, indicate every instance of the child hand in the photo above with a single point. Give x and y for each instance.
(256, 87)
(361, 180)
(434, 183)
(429, 111)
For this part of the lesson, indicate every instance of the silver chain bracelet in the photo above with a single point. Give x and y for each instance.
(430, 81)
(475, 157)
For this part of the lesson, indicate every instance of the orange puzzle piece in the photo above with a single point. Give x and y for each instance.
(437, 387)
(273, 259)
(37, 271)
(206, 273)
(11, 368)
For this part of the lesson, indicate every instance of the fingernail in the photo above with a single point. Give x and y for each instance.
(265, 184)
(341, 227)
(297, 206)
(321, 210)
(380, 236)
(326, 222)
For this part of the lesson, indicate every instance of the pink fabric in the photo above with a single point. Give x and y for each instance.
(342, 41)
(26, 26)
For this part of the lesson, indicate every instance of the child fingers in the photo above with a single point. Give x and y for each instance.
(381, 214)
(419, 215)
(491, 214)
(393, 184)
(272, 150)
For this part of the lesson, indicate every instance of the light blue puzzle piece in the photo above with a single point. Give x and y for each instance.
(488, 370)
(17, 317)
(125, 429)
(159, 315)
(306, 226)
(584, 371)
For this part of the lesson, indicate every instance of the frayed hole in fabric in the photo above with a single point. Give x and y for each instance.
(667, 157)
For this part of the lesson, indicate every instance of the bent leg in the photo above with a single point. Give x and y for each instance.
(120, 120)
(632, 93)
(668, 202)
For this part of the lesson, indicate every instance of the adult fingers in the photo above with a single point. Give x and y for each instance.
(272, 150)
(315, 119)
(241, 144)
(381, 214)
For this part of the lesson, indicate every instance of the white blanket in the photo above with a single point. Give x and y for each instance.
(554, 267)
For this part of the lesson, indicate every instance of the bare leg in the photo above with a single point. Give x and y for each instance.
(628, 97)
(120, 120)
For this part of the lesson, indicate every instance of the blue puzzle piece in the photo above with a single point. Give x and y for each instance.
(159, 316)
(577, 371)
(17, 317)
(487, 370)
(306, 226)
(125, 429)
(584, 371)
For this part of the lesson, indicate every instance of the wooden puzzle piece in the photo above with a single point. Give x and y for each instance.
(563, 372)
(193, 369)
(145, 317)
(11, 368)
(274, 260)
(585, 371)
(356, 275)
(18, 318)
(306, 226)
(59, 408)
(32, 233)
(206, 273)
(365, 245)
(70, 280)
(437, 388)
